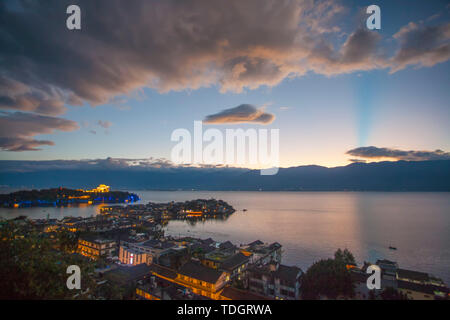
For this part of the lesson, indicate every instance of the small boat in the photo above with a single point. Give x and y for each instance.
(392, 248)
(244, 210)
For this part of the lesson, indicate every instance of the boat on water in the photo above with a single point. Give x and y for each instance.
(244, 210)
(392, 248)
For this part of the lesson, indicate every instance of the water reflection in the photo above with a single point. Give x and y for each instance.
(311, 225)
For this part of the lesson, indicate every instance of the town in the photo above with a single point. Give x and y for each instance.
(126, 255)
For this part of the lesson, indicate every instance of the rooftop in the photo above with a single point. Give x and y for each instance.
(413, 275)
(124, 274)
(406, 285)
(226, 245)
(218, 255)
(287, 273)
(283, 272)
(198, 271)
(234, 261)
(237, 294)
(156, 244)
(95, 239)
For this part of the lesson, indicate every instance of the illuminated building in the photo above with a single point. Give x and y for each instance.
(195, 214)
(100, 189)
(153, 248)
(197, 278)
(232, 293)
(95, 248)
(234, 264)
(133, 257)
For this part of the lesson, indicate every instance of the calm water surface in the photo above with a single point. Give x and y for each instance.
(312, 225)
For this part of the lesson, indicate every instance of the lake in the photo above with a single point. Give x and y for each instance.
(312, 225)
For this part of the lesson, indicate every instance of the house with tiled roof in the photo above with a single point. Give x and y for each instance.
(275, 280)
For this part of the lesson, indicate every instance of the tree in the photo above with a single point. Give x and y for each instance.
(329, 278)
(345, 257)
(32, 266)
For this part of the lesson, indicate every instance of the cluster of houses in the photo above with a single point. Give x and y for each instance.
(131, 241)
(184, 268)
(194, 209)
(413, 285)
(151, 216)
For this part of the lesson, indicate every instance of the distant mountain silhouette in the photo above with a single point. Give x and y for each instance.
(375, 176)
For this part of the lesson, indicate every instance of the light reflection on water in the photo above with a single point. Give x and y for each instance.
(312, 225)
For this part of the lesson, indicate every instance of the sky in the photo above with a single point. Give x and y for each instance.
(123, 83)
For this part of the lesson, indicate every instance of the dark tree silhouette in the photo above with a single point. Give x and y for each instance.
(329, 278)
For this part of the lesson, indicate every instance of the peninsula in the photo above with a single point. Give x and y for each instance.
(63, 197)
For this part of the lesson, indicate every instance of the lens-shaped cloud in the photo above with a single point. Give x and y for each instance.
(244, 113)
(411, 155)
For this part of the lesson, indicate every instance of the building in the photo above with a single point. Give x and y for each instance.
(415, 291)
(418, 285)
(100, 189)
(128, 275)
(275, 280)
(262, 253)
(413, 276)
(133, 257)
(388, 273)
(236, 266)
(215, 258)
(195, 278)
(95, 248)
(153, 247)
(175, 257)
(156, 288)
(231, 293)
(202, 280)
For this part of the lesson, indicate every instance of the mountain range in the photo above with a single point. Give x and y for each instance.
(374, 176)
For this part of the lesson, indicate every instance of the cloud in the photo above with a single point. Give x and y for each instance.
(357, 160)
(85, 164)
(177, 45)
(139, 164)
(22, 144)
(17, 129)
(244, 113)
(104, 124)
(411, 155)
(20, 96)
(423, 46)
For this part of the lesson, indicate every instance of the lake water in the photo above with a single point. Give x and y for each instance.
(312, 225)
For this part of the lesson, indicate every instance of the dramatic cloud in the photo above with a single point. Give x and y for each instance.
(422, 45)
(244, 113)
(412, 155)
(176, 45)
(17, 128)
